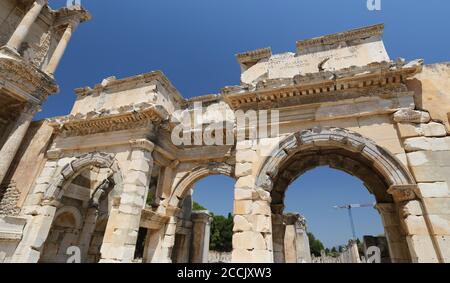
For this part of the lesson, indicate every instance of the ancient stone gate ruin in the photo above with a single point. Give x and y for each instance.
(94, 178)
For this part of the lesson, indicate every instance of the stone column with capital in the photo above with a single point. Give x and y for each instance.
(14, 140)
(24, 26)
(61, 47)
(201, 221)
(120, 238)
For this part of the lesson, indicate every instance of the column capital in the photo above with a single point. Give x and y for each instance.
(31, 108)
(143, 144)
(403, 192)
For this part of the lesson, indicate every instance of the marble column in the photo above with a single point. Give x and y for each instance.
(201, 221)
(24, 27)
(14, 140)
(61, 48)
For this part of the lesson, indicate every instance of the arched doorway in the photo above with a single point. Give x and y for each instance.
(193, 220)
(320, 197)
(346, 151)
(81, 217)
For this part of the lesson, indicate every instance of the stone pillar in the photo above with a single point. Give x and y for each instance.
(35, 234)
(278, 234)
(435, 198)
(422, 245)
(396, 237)
(201, 224)
(290, 247)
(61, 48)
(24, 27)
(87, 232)
(120, 238)
(168, 241)
(252, 231)
(14, 140)
(302, 242)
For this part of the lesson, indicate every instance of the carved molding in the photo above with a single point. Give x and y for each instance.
(386, 164)
(365, 32)
(28, 78)
(127, 117)
(376, 78)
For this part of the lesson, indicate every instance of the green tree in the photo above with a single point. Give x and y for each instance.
(221, 233)
(196, 206)
(315, 245)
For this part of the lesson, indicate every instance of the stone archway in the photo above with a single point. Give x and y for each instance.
(54, 204)
(182, 187)
(180, 190)
(341, 149)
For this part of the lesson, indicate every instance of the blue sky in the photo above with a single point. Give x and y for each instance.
(194, 41)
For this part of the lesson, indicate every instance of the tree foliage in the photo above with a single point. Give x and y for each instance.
(221, 230)
(196, 206)
(221, 233)
(315, 245)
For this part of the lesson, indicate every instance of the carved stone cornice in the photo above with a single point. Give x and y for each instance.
(254, 56)
(127, 83)
(28, 78)
(403, 193)
(353, 79)
(123, 118)
(361, 33)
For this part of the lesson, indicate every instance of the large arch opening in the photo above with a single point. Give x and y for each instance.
(342, 150)
(81, 217)
(205, 223)
(320, 196)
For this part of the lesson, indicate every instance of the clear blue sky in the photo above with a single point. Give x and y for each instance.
(194, 41)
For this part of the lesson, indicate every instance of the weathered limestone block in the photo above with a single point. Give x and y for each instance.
(430, 144)
(437, 205)
(261, 223)
(434, 130)
(261, 208)
(241, 255)
(243, 194)
(407, 115)
(409, 130)
(247, 182)
(433, 190)
(443, 243)
(412, 208)
(415, 225)
(242, 207)
(440, 224)
(241, 224)
(243, 169)
(248, 155)
(422, 249)
(249, 240)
